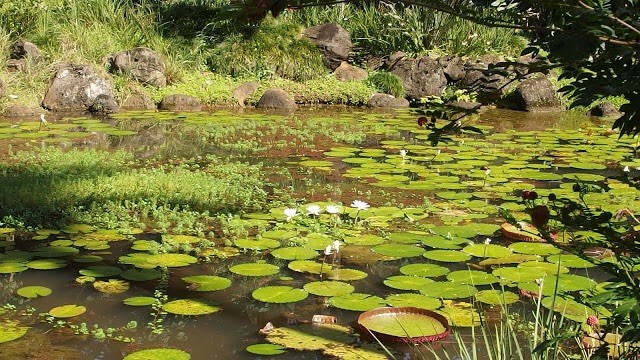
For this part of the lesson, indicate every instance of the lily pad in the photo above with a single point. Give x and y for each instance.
(403, 282)
(254, 269)
(329, 288)
(47, 264)
(533, 248)
(101, 271)
(158, 354)
(67, 311)
(487, 250)
(472, 277)
(12, 267)
(265, 349)
(346, 274)
(404, 324)
(398, 250)
(191, 307)
(357, 302)
(424, 270)
(568, 308)
(294, 253)
(448, 290)
(10, 331)
(447, 255)
(496, 297)
(207, 282)
(33, 292)
(364, 240)
(257, 244)
(413, 300)
(279, 294)
(307, 266)
(171, 260)
(140, 301)
(570, 261)
(112, 286)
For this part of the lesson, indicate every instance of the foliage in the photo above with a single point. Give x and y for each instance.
(387, 83)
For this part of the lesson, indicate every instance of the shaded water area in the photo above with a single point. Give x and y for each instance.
(431, 237)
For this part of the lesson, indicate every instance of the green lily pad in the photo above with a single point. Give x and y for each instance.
(279, 294)
(424, 270)
(496, 297)
(47, 264)
(438, 242)
(87, 258)
(329, 288)
(398, 250)
(171, 260)
(404, 325)
(33, 292)
(509, 259)
(570, 261)
(447, 290)
(67, 311)
(294, 253)
(447, 255)
(472, 277)
(140, 301)
(140, 275)
(365, 239)
(101, 271)
(265, 349)
(403, 282)
(534, 248)
(346, 274)
(517, 275)
(112, 286)
(207, 282)
(357, 302)
(568, 308)
(191, 307)
(487, 250)
(10, 331)
(308, 266)
(255, 244)
(12, 267)
(181, 239)
(312, 338)
(543, 268)
(158, 354)
(55, 251)
(254, 269)
(413, 300)
(460, 314)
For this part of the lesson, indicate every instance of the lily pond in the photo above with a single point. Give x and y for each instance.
(221, 235)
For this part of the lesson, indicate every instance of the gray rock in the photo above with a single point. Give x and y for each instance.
(180, 102)
(536, 94)
(22, 111)
(103, 105)
(142, 64)
(490, 86)
(276, 99)
(605, 109)
(453, 68)
(334, 42)
(137, 102)
(75, 87)
(245, 90)
(347, 72)
(421, 77)
(22, 54)
(387, 101)
(466, 105)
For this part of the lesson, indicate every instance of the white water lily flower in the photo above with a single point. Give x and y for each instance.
(487, 172)
(626, 169)
(313, 210)
(360, 205)
(487, 241)
(336, 246)
(333, 209)
(327, 250)
(539, 281)
(290, 213)
(438, 152)
(403, 153)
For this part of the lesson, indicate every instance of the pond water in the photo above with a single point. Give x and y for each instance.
(431, 237)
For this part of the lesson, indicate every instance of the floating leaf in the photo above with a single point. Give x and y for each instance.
(140, 301)
(398, 250)
(346, 274)
(171, 260)
(543, 268)
(254, 269)
(279, 294)
(447, 255)
(447, 290)
(413, 300)
(570, 261)
(329, 288)
(35, 291)
(207, 282)
(55, 251)
(112, 286)
(357, 302)
(568, 308)
(46, 264)
(101, 271)
(158, 354)
(460, 314)
(472, 277)
(307, 266)
(294, 253)
(190, 307)
(12, 267)
(487, 250)
(533, 248)
(438, 242)
(10, 331)
(424, 270)
(257, 244)
(403, 282)
(265, 349)
(67, 311)
(496, 297)
(364, 240)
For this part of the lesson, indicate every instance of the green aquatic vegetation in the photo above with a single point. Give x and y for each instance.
(159, 354)
(329, 288)
(207, 282)
(472, 277)
(34, 291)
(413, 300)
(424, 270)
(357, 302)
(265, 349)
(279, 294)
(190, 307)
(447, 290)
(255, 269)
(67, 311)
(139, 301)
(10, 330)
(111, 286)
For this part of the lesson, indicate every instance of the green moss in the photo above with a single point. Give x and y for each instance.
(387, 83)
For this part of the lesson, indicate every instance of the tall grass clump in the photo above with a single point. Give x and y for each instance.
(379, 28)
(387, 83)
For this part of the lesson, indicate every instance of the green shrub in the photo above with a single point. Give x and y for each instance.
(387, 83)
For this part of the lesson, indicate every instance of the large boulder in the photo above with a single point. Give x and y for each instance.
(23, 54)
(142, 64)
(75, 87)
(276, 99)
(536, 94)
(347, 72)
(605, 109)
(137, 102)
(453, 68)
(387, 101)
(334, 42)
(421, 77)
(245, 90)
(103, 105)
(180, 102)
(489, 86)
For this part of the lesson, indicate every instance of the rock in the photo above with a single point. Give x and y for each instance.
(490, 86)
(387, 101)
(276, 99)
(180, 102)
(245, 90)
(453, 68)
(347, 72)
(466, 105)
(22, 111)
(75, 87)
(421, 77)
(142, 64)
(334, 42)
(536, 94)
(605, 109)
(137, 102)
(23, 54)
(103, 105)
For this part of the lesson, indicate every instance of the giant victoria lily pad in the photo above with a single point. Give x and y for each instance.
(403, 324)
